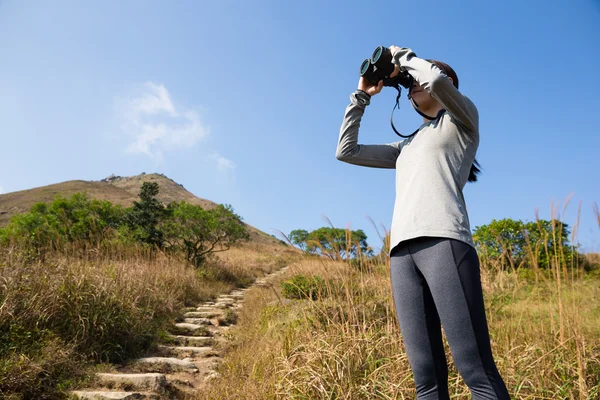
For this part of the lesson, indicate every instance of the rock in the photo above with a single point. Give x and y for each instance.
(192, 340)
(100, 395)
(208, 365)
(197, 321)
(217, 330)
(173, 364)
(212, 375)
(188, 326)
(206, 308)
(149, 381)
(196, 351)
(203, 314)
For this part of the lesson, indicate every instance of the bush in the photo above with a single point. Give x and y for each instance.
(35, 364)
(302, 287)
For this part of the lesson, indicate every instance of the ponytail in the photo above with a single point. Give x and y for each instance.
(475, 171)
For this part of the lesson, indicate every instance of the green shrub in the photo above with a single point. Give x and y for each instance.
(230, 317)
(303, 287)
(35, 364)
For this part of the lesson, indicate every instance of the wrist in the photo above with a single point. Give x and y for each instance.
(365, 93)
(360, 98)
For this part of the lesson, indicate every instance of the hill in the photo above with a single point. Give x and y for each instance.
(116, 189)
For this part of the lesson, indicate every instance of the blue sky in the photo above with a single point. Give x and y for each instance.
(241, 102)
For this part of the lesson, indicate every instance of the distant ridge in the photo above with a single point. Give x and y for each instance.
(116, 189)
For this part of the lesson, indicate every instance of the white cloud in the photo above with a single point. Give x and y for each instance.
(223, 164)
(1, 190)
(153, 124)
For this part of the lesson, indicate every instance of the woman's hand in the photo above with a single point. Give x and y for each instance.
(369, 88)
(394, 49)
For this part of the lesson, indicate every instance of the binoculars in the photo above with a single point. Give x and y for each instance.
(380, 66)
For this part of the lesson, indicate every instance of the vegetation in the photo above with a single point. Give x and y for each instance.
(302, 287)
(84, 281)
(346, 343)
(196, 232)
(78, 222)
(514, 243)
(335, 243)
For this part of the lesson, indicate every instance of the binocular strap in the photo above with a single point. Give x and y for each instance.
(416, 107)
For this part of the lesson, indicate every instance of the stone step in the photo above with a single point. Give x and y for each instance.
(103, 395)
(189, 327)
(191, 341)
(152, 381)
(205, 351)
(224, 305)
(204, 314)
(196, 321)
(202, 308)
(160, 364)
(224, 299)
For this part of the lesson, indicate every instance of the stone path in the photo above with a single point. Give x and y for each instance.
(187, 361)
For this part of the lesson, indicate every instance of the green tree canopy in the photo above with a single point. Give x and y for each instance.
(516, 243)
(336, 243)
(144, 215)
(198, 232)
(65, 220)
(298, 237)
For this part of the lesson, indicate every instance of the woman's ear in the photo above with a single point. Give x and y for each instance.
(451, 80)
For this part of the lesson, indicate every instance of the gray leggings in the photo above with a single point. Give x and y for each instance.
(437, 279)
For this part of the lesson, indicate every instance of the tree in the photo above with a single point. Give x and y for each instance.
(197, 232)
(298, 237)
(335, 243)
(145, 215)
(66, 220)
(516, 243)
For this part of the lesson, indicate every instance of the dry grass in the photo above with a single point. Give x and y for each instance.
(59, 316)
(544, 330)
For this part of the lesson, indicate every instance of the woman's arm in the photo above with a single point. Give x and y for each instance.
(435, 81)
(367, 155)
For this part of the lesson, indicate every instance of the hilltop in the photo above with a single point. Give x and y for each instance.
(116, 189)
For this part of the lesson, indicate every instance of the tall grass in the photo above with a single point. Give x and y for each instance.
(346, 344)
(70, 310)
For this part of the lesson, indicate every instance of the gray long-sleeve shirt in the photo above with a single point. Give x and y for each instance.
(432, 167)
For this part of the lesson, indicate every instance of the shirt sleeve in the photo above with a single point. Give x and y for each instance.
(367, 155)
(436, 82)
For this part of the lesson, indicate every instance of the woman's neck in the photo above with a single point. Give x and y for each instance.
(431, 111)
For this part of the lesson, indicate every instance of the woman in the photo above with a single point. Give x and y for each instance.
(434, 265)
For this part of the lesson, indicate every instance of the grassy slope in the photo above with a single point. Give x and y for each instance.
(347, 345)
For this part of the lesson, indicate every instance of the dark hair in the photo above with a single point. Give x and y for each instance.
(475, 168)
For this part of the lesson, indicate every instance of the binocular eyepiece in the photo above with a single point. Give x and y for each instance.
(380, 67)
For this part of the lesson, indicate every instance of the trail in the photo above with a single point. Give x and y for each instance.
(185, 363)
